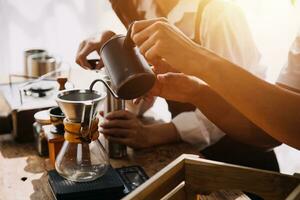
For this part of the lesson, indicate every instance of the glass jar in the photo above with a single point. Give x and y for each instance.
(41, 118)
(81, 159)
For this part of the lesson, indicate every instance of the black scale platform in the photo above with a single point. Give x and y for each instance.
(108, 187)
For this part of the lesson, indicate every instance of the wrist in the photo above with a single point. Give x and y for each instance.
(200, 61)
(176, 136)
(104, 37)
(149, 138)
(198, 93)
(158, 134)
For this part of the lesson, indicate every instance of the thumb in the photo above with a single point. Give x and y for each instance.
(162, 67)
(169, 77)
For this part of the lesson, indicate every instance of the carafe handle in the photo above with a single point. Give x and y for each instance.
(86, 121)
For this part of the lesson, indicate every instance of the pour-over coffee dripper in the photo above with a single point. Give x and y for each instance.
(82, 157)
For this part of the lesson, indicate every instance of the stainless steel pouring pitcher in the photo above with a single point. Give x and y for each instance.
(129, 72)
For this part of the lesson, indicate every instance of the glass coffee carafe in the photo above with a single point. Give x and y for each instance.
(82, 157)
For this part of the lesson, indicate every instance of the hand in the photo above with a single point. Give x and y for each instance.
(177, 87)
(161, 42)
(88, 46)
(161, 67)
(123, 127)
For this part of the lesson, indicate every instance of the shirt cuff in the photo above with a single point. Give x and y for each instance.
(196, 129)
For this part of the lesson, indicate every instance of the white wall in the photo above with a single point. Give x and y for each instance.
(274, 24)
(56, 25)
(59, 25)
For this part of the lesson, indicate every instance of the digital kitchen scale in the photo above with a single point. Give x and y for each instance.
(115, 184)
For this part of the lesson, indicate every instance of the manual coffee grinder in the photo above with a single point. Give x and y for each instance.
(82, 157)
(112, 103)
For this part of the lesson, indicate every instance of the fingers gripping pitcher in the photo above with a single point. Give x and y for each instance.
(82, 157)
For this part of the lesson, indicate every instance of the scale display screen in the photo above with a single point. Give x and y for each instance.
(132, 176)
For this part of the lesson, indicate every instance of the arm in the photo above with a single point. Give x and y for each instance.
(214, 107)
(231, 121)
(129, 11)
(273, 109)
(225, 32)
(162, 134)
(126, 10)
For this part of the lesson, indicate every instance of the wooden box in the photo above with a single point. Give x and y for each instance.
(190, 177)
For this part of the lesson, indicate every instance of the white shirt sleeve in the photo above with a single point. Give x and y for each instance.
(225, 31)
(196, 129)
(290, 74)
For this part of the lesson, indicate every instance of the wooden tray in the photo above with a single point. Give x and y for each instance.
(190, 177)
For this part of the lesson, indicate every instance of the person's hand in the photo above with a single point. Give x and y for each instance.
(161, 67)
(125, 128)
(88, 46)
(177, 87)
(161, 42)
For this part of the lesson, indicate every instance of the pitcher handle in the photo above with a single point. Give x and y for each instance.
(128, 42)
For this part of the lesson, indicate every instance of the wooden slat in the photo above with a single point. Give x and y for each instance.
(190, 194)
(296, 175)
(295, 194)
(177, 193)
(161, 183)
(224, 195)
(207, 176)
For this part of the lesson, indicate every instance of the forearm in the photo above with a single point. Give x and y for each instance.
(126, 11)
(229, 120)
(273, 109)
(158, 134)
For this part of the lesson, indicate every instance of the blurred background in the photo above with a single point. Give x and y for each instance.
(60, 25)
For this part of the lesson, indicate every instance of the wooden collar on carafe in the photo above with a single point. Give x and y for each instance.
(73, 132)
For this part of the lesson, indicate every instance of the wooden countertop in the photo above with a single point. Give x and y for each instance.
(23, 174)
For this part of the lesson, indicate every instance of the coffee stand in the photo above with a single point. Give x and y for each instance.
(25, 174)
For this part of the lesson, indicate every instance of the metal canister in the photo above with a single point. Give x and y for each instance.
(30, 52)
(115, 150)
(38, 65)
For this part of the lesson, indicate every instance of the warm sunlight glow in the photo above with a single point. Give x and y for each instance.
(274, 24)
